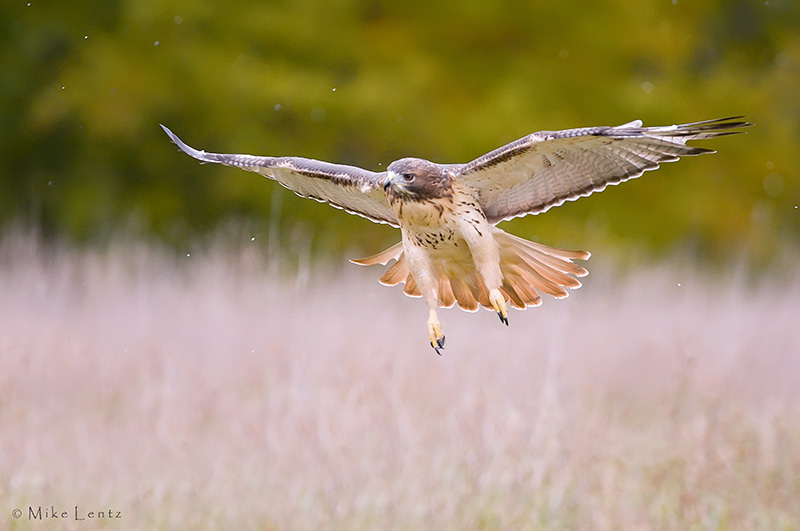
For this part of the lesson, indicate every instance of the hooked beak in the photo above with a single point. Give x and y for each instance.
(387, 182)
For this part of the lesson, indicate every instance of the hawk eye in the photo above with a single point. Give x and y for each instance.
(408, 177)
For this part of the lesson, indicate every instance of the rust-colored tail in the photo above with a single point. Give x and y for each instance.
(528, 269)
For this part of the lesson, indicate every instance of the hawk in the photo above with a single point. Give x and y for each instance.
(451, 250)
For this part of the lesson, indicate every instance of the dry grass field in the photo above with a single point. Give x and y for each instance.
(209, 392)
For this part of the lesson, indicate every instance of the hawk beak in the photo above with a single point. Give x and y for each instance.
(387, 182)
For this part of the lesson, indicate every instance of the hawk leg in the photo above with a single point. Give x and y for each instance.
(435, 332)
(499, 305)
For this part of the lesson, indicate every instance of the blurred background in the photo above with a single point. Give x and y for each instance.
(83, 87)
(152, 362)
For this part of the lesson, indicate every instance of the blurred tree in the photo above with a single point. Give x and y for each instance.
(84, 85)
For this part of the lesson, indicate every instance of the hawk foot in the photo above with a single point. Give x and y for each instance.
(499, 305)
(435, 332)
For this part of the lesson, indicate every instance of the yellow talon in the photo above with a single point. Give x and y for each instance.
(499, 305)
(435, 332)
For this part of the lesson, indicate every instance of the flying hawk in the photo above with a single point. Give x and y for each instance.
(451, 250)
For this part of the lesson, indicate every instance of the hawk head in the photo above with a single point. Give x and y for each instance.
(413, 179)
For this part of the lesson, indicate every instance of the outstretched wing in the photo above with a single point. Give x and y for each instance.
(356, 190)
(544, 169)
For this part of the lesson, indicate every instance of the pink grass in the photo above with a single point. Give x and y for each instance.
(208, 392)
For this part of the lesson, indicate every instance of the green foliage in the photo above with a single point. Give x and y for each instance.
(84, 86)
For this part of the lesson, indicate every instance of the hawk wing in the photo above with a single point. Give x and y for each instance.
(544, 169)
(355, 190)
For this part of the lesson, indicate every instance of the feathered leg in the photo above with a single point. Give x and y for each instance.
(486, 255)
(426, 279)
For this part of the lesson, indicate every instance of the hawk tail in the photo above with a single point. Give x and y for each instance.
(531, 268)
(528, 269)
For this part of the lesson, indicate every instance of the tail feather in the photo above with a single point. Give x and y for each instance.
(528, 292)
(548, 269)
(533, 277)
(545, 270)
(397, 273)
(528, 268)
(394, 252)
(509, 291)
(557, 258)
(539, 284)
(479, 291)
(446, 297)
(411, 288)
(466, 295)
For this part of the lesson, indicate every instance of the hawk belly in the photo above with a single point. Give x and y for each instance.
(451, 254)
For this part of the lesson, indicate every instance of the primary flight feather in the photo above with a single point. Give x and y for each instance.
(451, 251)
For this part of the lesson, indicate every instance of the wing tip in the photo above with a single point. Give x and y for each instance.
(172, 136)
(186, 148)
(713, 128)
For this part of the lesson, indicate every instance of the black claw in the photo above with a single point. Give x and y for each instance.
(502, 319)
(439, 345)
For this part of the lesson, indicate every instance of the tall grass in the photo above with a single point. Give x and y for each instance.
(206, 391)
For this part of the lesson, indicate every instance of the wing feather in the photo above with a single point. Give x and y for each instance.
(545, 169)
(353, 189)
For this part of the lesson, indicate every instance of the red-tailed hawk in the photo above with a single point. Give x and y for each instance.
(451, 251)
